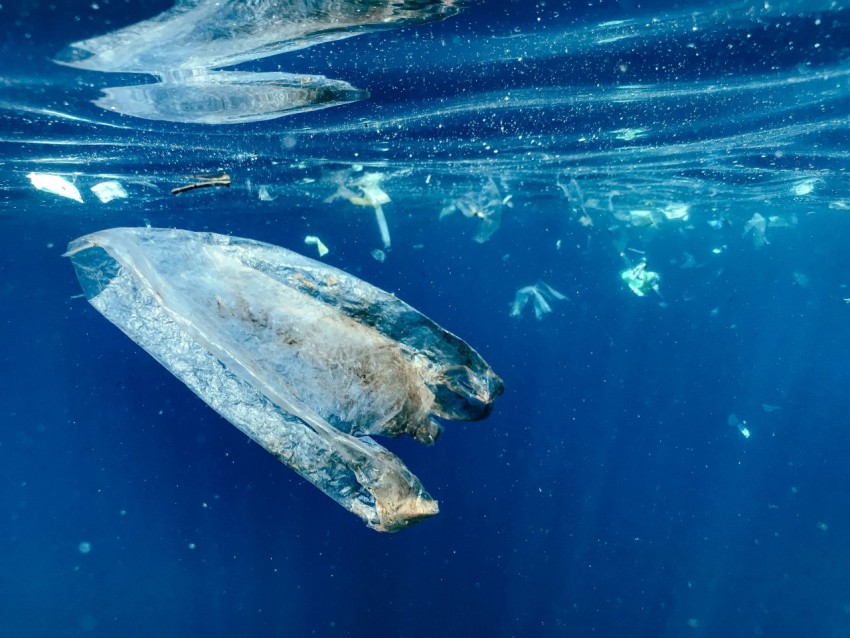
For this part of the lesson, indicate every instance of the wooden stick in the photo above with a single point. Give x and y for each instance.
(209, 180)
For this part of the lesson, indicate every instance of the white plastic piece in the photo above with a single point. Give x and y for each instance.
(739, 424)
(55, 184)
(107, 191)
(677, 211)
(315, 241)
(382, 226)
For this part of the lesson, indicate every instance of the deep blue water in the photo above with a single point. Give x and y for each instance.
(607, 494)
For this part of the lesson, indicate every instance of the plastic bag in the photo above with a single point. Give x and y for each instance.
(305, 359)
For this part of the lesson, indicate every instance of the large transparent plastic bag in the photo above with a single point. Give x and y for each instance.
(307, 360)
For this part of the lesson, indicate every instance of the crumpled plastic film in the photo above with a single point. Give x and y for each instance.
(307, 360)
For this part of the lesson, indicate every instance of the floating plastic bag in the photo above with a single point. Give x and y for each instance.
(305, 359)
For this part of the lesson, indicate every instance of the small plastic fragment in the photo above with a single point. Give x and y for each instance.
(642, 218)
(804, 187)
(55, 184)
(757, 227)
(801, 279)
(739, 425)
(677, 210)
(371, 194)
(640, 280)
(539, 294)
(379, 255)
(315, 241)
(485, 206)
(107, 191)
(572, 191)
(307, 360)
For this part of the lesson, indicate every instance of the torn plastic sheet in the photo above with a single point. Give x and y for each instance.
(757, 227)
(539, 295)
(485, 206)
(305, 359)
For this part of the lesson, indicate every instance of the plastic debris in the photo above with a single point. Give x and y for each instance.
(677, 211)
(642, 218)
(688, 261)
(264, 194)
(107, 191)
(740, 425)
(315, 241)
(307, 360)
(371, 194)
(485, 206)
(801, 279)
(640, 280)
(572, 191)
(629, 134)
(757, 227)
(804, 187)
(539, 294)
(379, 255)
(55, 184)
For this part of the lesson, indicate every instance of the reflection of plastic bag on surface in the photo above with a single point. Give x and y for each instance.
(185, 43)
(305, 359)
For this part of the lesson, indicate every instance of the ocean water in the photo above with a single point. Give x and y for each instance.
(665, 465)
